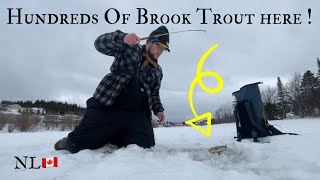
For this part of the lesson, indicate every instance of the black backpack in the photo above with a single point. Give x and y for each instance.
(249, 114)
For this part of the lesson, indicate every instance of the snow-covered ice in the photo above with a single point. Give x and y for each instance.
(180, 153)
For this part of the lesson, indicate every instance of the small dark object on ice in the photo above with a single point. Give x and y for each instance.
(217, 149)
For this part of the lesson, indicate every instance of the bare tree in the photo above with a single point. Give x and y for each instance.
(10, 120)
(3, 121)
(2, 108)
(293, 87)
(224, 114)
(26, 122)
(269, 95)
(23, 122)
(68, 122)
(269, 98)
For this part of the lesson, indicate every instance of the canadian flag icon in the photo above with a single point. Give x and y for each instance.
(50, 162)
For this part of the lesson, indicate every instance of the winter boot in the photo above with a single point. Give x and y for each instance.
(61, 144)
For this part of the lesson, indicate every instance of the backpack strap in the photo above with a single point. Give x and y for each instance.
(254, 123)
(275, 131)
(237, 118)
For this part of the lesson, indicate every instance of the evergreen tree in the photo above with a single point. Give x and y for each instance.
(284, 100)
(309, 81)
(54, 107)
(309, 93)
(271, 111)
(318, 61)
(318, 86)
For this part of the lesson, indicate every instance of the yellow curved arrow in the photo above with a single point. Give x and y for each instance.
(198, 79)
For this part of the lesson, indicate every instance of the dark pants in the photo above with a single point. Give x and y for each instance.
(126, 122)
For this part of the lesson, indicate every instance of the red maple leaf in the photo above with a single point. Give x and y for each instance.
(49, 162)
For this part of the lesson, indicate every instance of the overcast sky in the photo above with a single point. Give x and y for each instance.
(59, 62)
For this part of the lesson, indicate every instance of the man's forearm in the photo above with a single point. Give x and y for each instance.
(156, 102)
(110, 43)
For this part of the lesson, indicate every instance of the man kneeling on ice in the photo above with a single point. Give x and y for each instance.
(119, 112)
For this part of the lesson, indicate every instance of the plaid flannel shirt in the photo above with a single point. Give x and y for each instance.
(128, 59)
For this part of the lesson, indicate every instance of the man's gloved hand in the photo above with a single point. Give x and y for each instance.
(161, 116)
(131, 39)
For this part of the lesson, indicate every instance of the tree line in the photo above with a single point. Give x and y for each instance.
(299, 97)
(51, 107)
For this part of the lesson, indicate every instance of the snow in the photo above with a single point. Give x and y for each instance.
(11, 111)
(180, 153)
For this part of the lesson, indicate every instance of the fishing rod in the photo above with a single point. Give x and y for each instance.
(158, 35)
